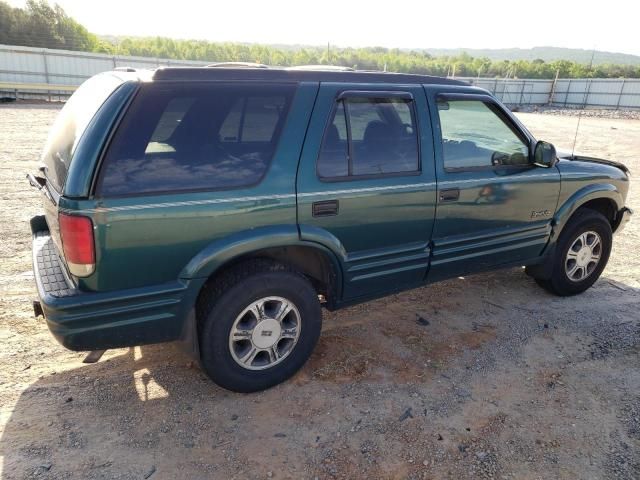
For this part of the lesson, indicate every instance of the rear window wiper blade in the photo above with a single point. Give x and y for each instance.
(37, 182)
(41, 184)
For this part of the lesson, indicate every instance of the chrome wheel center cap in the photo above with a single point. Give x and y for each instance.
(266, 334)
(583, 256)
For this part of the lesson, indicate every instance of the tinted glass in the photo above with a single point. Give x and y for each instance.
(71, 123)
(381, 142)
(333, 160)
(252, 119)
(474, 135)
(196, 137)
(381, 138)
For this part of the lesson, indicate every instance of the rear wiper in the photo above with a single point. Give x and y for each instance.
(37, 182)
(41, 184)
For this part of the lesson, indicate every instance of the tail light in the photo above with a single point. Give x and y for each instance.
(76, 233)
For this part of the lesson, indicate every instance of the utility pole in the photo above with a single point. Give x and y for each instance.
(593, 54)
(328, 54)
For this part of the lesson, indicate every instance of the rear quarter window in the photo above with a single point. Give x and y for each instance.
(177, 138)
(71, 123)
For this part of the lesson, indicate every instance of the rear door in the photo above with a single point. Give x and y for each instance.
(366, 183)
(494, 205)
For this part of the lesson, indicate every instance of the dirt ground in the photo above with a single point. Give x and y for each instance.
(482, 377)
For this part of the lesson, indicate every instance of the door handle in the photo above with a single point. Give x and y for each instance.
(449, 195)
(326, 208)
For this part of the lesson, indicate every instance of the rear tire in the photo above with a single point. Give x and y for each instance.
(258, 323)
(581, 254)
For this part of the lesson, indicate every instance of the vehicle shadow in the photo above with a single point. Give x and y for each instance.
(113, 419)
(150, 411)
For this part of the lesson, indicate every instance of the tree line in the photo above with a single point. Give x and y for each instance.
(40, 25)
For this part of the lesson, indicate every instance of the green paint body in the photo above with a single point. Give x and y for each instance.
(154, 253)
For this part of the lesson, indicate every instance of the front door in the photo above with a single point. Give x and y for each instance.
(366, 184)
(494, 206)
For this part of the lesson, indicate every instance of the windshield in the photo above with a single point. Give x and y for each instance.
(71, 124)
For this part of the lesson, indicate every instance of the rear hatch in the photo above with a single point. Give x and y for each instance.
(64, 137)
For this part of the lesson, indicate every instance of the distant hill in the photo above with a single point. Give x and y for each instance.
(547, 54)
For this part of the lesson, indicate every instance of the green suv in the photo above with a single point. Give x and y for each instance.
(225, 206)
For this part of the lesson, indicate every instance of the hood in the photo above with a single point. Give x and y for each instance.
(565, 155)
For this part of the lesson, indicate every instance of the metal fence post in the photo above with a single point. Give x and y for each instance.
(586, 94)
(566, 95)
(624, 80)
(46, 71)
(552, 93)
(524, 82)
(46, 67)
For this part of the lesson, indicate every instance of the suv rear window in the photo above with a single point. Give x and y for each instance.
(71, 123)
(195, 137)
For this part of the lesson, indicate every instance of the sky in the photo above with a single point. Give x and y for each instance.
(608, 26)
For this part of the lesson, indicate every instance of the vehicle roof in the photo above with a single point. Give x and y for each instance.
(284, 75)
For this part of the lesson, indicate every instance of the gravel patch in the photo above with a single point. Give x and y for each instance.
(575, 112)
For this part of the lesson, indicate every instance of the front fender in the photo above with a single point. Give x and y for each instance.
(582, 196)
(544, 269)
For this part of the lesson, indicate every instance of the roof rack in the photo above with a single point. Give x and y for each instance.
(237, 65)
(322, 68)
(230, 73)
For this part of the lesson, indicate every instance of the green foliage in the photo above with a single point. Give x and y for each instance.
(40, 25)
(548, 54)
(371, 58)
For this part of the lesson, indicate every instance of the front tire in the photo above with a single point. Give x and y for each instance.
(259, 323)
(581, 255)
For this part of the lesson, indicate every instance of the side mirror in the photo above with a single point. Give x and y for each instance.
(544, 155)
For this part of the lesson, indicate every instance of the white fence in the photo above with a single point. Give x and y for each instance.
(64, 67)
(567, 92)
(25, 67)
(26, 71)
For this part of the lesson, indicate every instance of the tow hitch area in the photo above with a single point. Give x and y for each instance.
(37, 309)
(93, 356)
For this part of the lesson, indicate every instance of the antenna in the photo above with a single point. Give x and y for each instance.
(584, 104)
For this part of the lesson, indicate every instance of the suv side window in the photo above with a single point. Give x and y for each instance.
(474, 135)
(198, 137)
(370, 136)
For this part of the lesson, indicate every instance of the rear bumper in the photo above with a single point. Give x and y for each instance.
(624, 215)
(100, 320)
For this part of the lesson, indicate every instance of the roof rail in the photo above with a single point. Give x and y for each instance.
(323, 68)
(237, 65)
(125, 69)
(287, 75)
